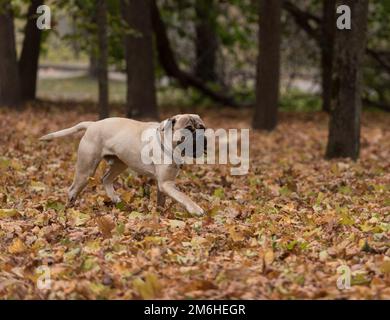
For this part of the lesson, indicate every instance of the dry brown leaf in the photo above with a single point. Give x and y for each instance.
(106, 225)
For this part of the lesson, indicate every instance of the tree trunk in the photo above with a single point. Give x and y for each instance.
(327, 49)
(344, 126)
(29, 58)
(168, 62)
(206, 42)
(268, 68)
(141, 90)
(102, 66)
(9, 73)
(93, 65)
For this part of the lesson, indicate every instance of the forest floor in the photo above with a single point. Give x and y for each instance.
(279, 232)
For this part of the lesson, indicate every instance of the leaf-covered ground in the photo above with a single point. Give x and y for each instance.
(279, 232)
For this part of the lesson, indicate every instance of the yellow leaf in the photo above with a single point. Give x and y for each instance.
(37, 186)
(17, 246)
(385, 267)
(92, 246)
(366, 227)
(6, 163)
(346, 220)
(90, 263)
(148, 289)
(219, 193)
(8, 213)
(98, 289)
(136, 215)
(79, 218)
(269, 257)
(155, 240)
(236, 234)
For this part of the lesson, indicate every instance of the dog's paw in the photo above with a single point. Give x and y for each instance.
(70, 203)
(196, 210)
(116, 199)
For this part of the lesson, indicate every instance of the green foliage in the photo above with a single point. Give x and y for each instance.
(298, 101)
(235, 23)
(376, 79)
(85, 29)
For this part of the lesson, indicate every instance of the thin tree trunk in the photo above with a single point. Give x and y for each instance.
(268, 68)
(327, 48)
(344, 126)
(29, 58)
(10, 94)
(206, 42)
(141, 90)
(102, 66)
(93, 53)
(93, 65)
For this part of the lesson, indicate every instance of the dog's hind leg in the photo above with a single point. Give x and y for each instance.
(116, 168)
(87, 161)
(161, 197)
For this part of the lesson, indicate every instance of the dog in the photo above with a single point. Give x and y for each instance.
(119, 141)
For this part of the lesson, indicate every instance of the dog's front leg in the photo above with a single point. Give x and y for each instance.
(169, 188)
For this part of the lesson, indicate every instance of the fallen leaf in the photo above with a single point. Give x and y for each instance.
(105, 225)
(17, 246)
(149, 288)
(8, 213)
(269, 257)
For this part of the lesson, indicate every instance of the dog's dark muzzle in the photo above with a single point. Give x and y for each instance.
(199, 144)
(197, 139)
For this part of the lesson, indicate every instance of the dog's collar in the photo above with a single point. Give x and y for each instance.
(167, 149)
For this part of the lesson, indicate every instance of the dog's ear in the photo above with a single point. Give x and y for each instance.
(173, 122)
(168, 123)
(199, 124)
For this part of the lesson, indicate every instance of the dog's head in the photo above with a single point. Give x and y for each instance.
(187, 128)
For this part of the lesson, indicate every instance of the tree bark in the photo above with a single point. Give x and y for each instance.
(93, 65)
(268, 68)
(168, 62)
(10, 94)
(206, 42)
(327, 49)
(29, 58)
(102, 66)
(344, 126)
(141, 90)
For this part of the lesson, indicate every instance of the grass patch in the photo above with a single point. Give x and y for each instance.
(86, 89)
(79, 89)
(298, 101)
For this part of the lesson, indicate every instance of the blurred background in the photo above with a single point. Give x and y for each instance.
(144, 56)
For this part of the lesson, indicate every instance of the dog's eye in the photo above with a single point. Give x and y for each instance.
(191, 128)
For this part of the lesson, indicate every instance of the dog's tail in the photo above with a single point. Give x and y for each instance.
(62, 133)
